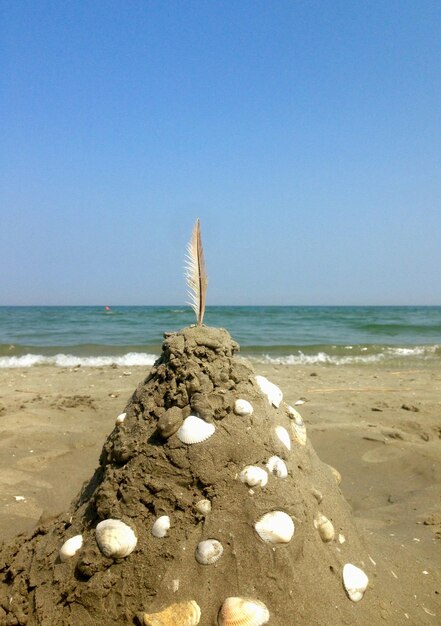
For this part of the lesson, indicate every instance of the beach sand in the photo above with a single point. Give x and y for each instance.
(379, 427)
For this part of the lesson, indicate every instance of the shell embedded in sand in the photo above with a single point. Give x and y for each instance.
(317, 494)
(336, 474)
(242, 612)
(203, 507)
(243, 407)
(71, 547)
(209, 551)
(275, 527)
(253, 475)
(298, 427)
(355, 582)
(195, 430)
(293, 413)
(120, 419)
(283, 436)
(299, 402)
(161, 527)
(182, 613)
(277, 466)
(115, 539)
(270, 390)
(324, 527)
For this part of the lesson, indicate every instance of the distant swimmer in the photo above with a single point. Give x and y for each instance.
(107, 309)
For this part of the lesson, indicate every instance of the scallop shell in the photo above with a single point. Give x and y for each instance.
(298, 427)
(209, 551)
(203, 507)
(243, 612)
(324, 527)
(253, 475)
(115, 539)
(243, 407)
(71, 547)
(355, 582)
(119, 420)
(283, 436)
(182, 613)
(161, 527)
(195, 430)
(275, 527)
(277, 466)
(270, 390)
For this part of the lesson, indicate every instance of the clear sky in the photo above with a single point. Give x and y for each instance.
(306, 136)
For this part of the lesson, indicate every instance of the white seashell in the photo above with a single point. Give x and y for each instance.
(294, 414)
(115, 539)
(120, 418)
(181, 613)
(203, 507)
(299, 433)
(324, 527)
(270, 390)
(71, 547)
(161, 527)
(253, 475)
(299, 402)
(277, 466)
(283, 436)
(341, 538)
(336, 474)
(243, 407)
(355, 582)
(209, 551)
(275, 527)
(243, 612)
(195, 430)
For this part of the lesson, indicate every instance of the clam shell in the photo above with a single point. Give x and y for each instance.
(355, 582)
(243, 612)
(209, 551)
(203, 507)
(270, 390)
(195, 430)
(115, 539)
(275, 527)
(277, 466)
(324, 527)
(70, 547)
(120, 418)
(253, 475)
(243, 407)
(283, 436)
(161, 527)
(181, 613)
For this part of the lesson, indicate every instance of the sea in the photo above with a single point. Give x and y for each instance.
(129, 336)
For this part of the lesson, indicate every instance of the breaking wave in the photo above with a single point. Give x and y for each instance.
(131, 359)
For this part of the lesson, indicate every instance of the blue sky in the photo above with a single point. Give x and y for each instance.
(305, 135)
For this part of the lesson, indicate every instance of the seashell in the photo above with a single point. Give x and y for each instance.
(195, 430)
(270, 390)
(283, 436)
(355, 582)
(209, 551)
(253, 475)
(203, 507)
(119, 420)
(242, 612)
(70, 547)
(299, 402)
(277, 466)
(299, 433)
(324, 527)
(275, 527)
(115, 539)
(294, 414)
(181, 613)
(317, 494)
(341, 538)
(336, 474)
(161, 527)
(243, 407)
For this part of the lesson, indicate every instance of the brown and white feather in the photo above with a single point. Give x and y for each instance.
(195, 273)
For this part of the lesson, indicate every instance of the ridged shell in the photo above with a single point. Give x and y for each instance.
(195, 430)
(115, 539)
(243, 612)
(243, 407)
(324, 527)
(277, 466)
(283, 436)
(71, 547)
(270, 390)
(275, 527)
(293, 413)
(355, 582)
(203, 507)
(253, 475)
(161, 527)
(209, 551)
(120, 419)
(181, 613)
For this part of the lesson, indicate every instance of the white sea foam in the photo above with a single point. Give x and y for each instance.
(131, 359)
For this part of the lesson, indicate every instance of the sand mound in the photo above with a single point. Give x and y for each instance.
(146, 472)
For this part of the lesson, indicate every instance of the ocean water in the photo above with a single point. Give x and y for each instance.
(130, 336)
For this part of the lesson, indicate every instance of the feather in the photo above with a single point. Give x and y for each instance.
(195, 273)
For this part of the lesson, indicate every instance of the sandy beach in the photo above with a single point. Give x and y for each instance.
(379, 427)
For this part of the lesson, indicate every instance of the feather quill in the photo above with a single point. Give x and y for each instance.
(195, 273)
